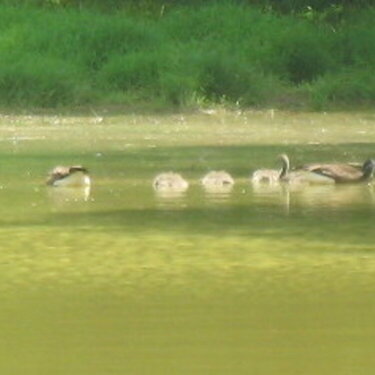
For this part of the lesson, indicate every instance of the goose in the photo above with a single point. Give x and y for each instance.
(301, 176)
(344, 173)
(217, 179)
(72, 176)
(170, 181)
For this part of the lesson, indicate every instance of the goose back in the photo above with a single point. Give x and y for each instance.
(343, 173)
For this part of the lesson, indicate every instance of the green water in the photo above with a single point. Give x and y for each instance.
(121, 280)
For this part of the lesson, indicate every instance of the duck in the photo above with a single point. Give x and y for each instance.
(301, 176)
(344, 173)
(170, 181)
(69, 176)
(217, 179)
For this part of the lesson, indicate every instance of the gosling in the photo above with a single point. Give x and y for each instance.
(170, 181)
(217, 179)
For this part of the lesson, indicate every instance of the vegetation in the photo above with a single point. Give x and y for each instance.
(221, 52)
(284, 6)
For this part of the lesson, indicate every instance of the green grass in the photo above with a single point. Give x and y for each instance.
(219, 53)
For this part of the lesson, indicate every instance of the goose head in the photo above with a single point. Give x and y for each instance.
(368, 169)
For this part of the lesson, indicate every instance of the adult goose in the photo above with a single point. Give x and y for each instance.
(71, 176)
(344, 173)
(170, 181)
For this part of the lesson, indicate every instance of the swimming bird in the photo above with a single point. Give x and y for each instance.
(344, 173)
(72, 176)
(301, 176)
(274, 176)
(170, 181)
(217, 179)
(268, 176)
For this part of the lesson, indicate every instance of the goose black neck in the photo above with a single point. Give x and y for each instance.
(285, 166)
(368, 170)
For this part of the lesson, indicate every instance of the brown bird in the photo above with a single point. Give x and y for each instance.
(344, 173)
(73, 176)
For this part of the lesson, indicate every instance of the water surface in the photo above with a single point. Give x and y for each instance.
(122, 280)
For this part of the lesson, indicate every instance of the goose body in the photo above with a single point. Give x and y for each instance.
(217, 179)
(170, 181)
(72, 176)
(344, 173)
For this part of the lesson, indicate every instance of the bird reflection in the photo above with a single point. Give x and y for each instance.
(65, 196)
(170, 194)
(272, 194)
(218, 190)
(335, 196)
(218, 194)
(170, 199)
(315, 196)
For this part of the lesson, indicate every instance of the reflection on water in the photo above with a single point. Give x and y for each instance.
(217, 193)
(336, 196)
(315, 196)
(170, 198)
(63, 196)
(218, 189)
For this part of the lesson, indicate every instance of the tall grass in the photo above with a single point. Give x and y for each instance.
(222, 52)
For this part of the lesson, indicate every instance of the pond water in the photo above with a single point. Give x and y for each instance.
(121, 280)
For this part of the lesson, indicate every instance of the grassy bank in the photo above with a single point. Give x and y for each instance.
(186, 57)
